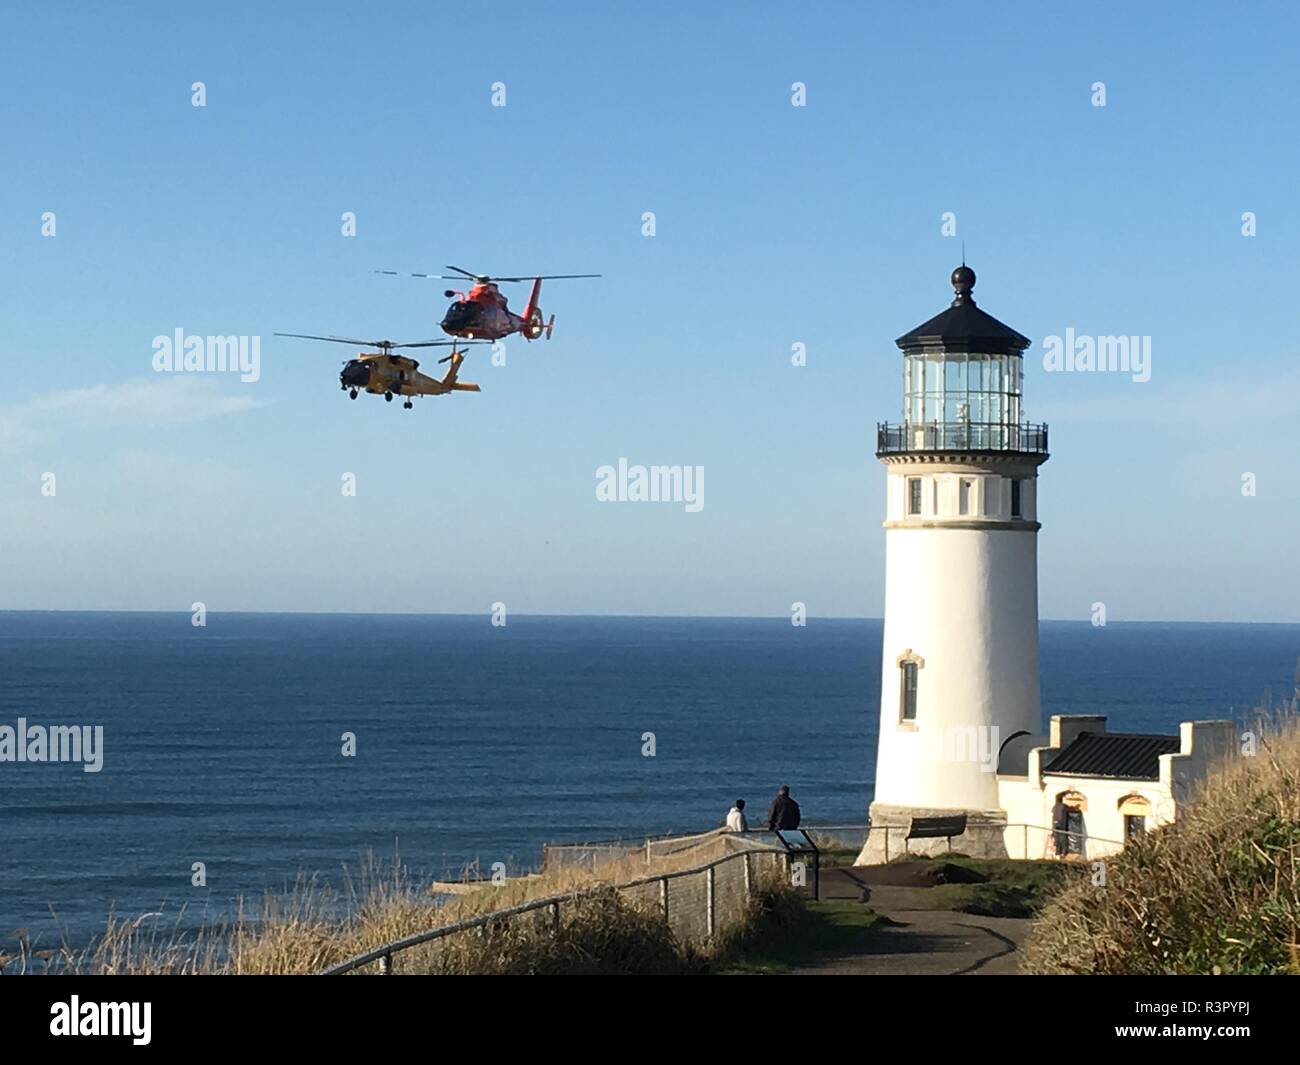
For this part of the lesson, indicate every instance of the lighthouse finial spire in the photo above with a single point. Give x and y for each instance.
(963, 280)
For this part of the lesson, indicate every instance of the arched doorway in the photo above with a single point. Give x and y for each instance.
(1068, 835)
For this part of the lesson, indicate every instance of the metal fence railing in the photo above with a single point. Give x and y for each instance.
(702, 906)
(588, 855)
(1019, 840)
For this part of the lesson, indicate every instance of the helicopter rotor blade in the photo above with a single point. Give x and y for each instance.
(462, 274)
(335, 340)
(386, 345)
(527, 277)
(544, 277)
(424, 344)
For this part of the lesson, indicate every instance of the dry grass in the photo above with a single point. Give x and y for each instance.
(1216, 892)
(312, 927)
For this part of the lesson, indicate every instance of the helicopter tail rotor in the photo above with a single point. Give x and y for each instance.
(452, 385)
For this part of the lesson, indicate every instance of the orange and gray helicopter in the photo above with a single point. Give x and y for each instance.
(482, 313)
(384, 374)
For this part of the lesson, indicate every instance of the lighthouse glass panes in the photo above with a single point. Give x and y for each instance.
(962, 400)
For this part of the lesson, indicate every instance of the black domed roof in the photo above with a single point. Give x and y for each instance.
(963, 326)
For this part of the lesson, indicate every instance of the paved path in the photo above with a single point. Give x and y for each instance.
(915, 941)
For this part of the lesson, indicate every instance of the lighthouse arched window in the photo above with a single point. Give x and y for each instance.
(909, 666)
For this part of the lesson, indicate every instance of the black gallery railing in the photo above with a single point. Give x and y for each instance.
(960, 436)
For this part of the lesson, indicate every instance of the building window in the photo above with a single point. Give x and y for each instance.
(1135, 809)
(1015, 497)
(907, 695)
(914, 495)
(964, 488)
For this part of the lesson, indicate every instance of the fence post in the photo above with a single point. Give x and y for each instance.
(663, 896)
(749, 889)
(1024, 853)
(555, 919)
(386, 965)
(711, 894)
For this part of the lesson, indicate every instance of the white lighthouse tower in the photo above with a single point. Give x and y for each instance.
(960, 671)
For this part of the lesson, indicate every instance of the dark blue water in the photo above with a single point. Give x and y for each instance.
(222, 744)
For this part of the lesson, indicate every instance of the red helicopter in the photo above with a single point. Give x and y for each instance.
(482, 313)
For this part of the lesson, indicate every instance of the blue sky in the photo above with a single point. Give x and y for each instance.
(775, 225)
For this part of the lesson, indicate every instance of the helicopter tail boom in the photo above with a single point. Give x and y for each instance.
(532, 299)
(450, 381)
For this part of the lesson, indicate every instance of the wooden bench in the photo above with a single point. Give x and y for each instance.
(940, 827)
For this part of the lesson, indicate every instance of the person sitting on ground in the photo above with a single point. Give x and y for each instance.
(784, 812)
(736, 818)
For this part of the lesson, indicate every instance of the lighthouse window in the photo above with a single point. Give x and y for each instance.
(1015, 498)
(963, 495)
(907, 700)
(914, 495)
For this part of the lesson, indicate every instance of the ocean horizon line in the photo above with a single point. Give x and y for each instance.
(600, 616)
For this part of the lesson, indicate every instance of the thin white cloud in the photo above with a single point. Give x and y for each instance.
(139, 403)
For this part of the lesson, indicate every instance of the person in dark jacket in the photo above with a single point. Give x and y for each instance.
(1060, 822)
(784, 811)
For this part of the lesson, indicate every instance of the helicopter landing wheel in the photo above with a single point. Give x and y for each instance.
(353, 394)
(408, 404)
(388, 397)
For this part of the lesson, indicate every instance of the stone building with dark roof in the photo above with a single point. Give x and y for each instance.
(1085, 790)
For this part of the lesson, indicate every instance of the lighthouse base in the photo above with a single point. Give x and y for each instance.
(897, 831)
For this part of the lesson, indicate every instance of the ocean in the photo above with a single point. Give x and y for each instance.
(223, 744)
